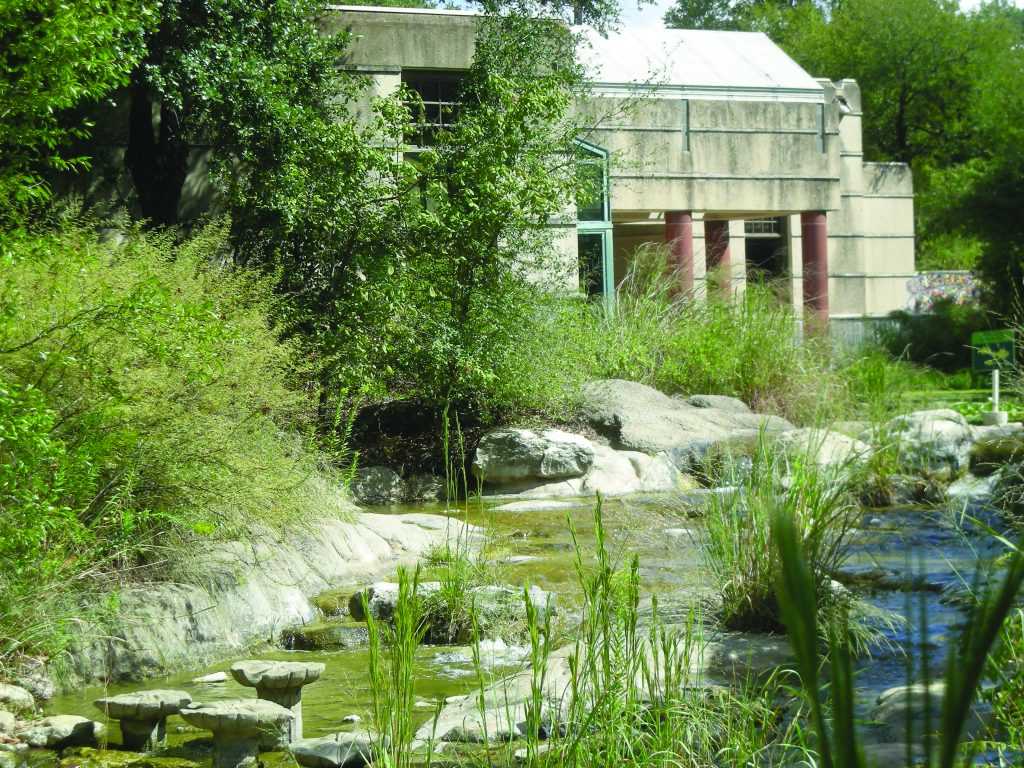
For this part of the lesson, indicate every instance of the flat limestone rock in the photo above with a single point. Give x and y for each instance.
(276, 674)
(145, 705)
(340, 750)
(636, 417)
(249, 716)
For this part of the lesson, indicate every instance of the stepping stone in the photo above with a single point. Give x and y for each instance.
(237, 727)
(280, 682)
(341, 750)
(143, 716)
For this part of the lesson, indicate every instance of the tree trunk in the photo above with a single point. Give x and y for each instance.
(157, 157)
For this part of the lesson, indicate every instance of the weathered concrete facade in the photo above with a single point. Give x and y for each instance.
(715, 143)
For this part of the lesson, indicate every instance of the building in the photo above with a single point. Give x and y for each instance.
(719, 145)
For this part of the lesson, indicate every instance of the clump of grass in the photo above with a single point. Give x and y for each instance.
(392, 672)
(737, 541)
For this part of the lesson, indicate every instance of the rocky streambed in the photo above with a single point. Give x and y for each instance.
(909, 557)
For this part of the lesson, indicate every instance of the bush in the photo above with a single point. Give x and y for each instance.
(940, 338)
(143, 403)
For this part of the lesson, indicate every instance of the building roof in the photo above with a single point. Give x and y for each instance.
(695, 63)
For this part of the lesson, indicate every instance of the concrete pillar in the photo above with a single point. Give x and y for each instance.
(814, 246)
(717, 255)
(679, 236)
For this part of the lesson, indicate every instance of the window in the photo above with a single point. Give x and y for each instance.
(761, 227)
(437, 107)
(594, 226)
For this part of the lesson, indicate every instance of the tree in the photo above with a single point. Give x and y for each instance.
(235, 75)
(56, 56)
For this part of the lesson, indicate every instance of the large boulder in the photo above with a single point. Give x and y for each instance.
(825, 448)
(935, 443)
(515, 455)
(635, 417)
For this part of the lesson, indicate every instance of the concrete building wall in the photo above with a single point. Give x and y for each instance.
(720, 153)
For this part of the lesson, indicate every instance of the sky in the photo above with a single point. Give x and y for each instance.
(651, 14)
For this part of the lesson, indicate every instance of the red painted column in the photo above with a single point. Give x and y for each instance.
(679, 236)
(814, 241)
(717, 255)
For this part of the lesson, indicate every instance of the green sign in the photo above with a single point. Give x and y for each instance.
(992, 351)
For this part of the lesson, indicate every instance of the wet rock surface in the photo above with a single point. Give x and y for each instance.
(340, 750)
(60, 731)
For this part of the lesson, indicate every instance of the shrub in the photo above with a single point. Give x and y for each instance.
(143, 403)
(745, 347)
(940, 338)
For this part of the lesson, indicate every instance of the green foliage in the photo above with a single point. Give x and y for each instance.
(745, 347)
(939, 91)
(142, 402)
(57, 56)
(940, 338)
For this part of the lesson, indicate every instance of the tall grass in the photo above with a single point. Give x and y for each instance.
(744, 346)
(737, 537)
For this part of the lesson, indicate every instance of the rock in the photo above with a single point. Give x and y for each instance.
(742, 656)
(249, 592)
(7, 760)
(237, 727)
(351, 719)
(825, 448)
(143, 716)
(7, 722)
(333, 602)
(912, 705)
(514, 455)
(377, 485)
(325, 636)
(16, 699)
(499, 609)
(382, 599)
(934, 443)
(995, 448)
(214, 677)
(60, 731)
(280, 682)
(341, 750)
(636, 417)
(973, 491)
(424, 488)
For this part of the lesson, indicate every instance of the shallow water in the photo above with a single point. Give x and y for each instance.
(927, 545)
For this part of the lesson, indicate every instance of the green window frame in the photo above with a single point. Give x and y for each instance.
(594, 226)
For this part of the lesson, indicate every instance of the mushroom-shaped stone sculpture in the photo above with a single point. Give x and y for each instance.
(143, 716)
(237, 727)
(280, 682)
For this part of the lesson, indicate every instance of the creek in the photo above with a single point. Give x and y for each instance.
(925, 553)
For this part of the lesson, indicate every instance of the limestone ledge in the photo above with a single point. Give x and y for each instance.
(244, 593)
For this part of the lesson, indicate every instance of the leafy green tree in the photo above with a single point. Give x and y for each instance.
(56, 56)
(493, 181)
(240, 76)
